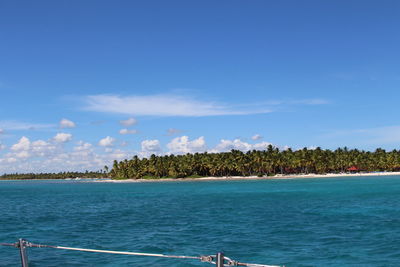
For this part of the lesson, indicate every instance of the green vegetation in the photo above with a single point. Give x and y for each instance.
(236, 163)
(60, 175)
(261, 163)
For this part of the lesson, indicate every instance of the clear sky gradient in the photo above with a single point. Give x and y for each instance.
(143, 77)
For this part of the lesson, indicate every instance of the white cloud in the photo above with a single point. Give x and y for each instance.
(6, 160)
(180, 145)
(128, 122)
(165, 105)
(228, 145)
(25, 149)
(62, 137)
(22, 154)
(51, 156)
(126, 131)
(261, 146)
(11, 160)
(2, 147)
(118, 155)
(23, 144)
(107, 141)
(83, 146)
(1, 131)
(237, 144)
(256, 137)
(64, 123)
(42, 148)
(83, 150)
(151, 146)
(42, 156)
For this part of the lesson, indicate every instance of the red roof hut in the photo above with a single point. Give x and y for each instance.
(353, 169)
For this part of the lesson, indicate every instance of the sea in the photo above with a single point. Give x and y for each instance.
(352, 221)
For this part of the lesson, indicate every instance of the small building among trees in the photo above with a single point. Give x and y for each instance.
(353, 169)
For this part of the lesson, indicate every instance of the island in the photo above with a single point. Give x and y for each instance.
(271, 162)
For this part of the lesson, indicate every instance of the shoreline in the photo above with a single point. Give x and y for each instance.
(232, 178)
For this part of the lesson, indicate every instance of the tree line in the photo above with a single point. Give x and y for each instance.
(269, 162)
(60, 175)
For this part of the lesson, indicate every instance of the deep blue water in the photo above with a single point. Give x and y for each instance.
(303, 222)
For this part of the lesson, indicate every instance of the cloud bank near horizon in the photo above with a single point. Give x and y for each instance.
(61, 153)
(54, 155)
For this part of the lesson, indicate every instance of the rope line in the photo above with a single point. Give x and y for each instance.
(128, 253)
(210, 259)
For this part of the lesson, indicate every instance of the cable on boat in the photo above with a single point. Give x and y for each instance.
(22, 243)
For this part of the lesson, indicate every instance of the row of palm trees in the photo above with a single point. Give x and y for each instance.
(261, 163)
(59, 175)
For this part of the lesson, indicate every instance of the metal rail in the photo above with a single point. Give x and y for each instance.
(219, 259)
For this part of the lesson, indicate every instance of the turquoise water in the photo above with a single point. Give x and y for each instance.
(304, 222)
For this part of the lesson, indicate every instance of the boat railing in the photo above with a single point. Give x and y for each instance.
(218, 259)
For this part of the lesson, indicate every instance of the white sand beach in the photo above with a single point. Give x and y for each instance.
(227, 178)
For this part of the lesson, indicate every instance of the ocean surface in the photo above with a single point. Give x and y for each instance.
(291, 222)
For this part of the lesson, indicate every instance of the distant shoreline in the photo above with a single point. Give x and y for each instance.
(215, 178)
(232, 178)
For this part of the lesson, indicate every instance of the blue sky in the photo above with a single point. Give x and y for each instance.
(191, 76)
